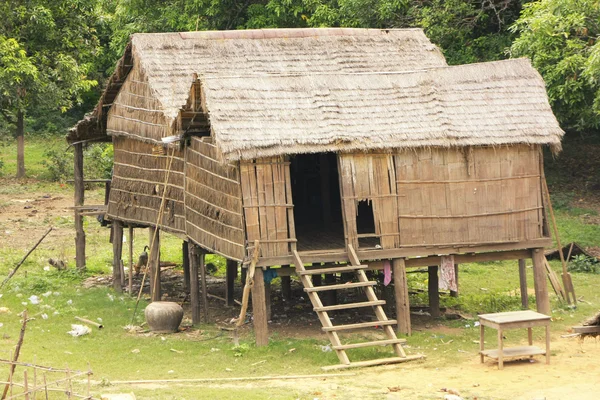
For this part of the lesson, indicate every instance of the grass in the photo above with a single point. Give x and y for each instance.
(205, 351)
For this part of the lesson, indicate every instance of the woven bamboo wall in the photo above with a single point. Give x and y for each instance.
(267, 198)
(137, 185)
(213, 200)
(136, 112)
(437, 197)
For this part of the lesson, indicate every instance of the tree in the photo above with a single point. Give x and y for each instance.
(46, 51)
(561, 38)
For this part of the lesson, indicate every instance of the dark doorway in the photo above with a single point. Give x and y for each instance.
(365, 224)
(317, 204)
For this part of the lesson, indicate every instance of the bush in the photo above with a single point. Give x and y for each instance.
(59, 164)
(583, 263)
(97, 163)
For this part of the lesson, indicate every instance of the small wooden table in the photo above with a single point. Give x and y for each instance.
(513, 320)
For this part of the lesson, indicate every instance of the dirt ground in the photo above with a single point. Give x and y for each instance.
(574, 371)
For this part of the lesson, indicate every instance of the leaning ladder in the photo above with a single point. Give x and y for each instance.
(372, 301)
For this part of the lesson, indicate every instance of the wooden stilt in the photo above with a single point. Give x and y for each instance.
(186, 266)
(259, 309)
(268, 300)
(231, 274)
(79, 200)
(154, 263)
(540, 281)
(202, 268)
(130, 275)
(401, 295)
(523, 284)
(330, 297)
(243, 273)
(452, 292)
(434, 291)
(317, 279)
(117, 242)
(286, 286)
(194, 292)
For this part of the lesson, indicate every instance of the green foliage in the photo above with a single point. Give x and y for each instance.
(59, 164)
(561, 38)
(97, 162)
(583, 263)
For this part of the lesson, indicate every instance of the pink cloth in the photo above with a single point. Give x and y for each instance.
(387, 272)
(447, 275)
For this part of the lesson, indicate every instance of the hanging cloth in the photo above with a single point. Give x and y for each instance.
(387, 272)
(447, 274)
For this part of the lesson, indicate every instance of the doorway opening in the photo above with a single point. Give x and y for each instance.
(317, 202)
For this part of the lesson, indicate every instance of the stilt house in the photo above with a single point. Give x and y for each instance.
(328, 146)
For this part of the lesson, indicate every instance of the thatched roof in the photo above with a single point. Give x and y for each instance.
(495, 103)
(283, 91)
(170, 60)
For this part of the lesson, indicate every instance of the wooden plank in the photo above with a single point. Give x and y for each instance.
(539, 280)
(350, 305)
(332, 270)
(514, 352)
(587, 329)
(340, 286)
(370, 363)
(369, 344)
(280, 212)
(290, 212)
(259, 309)
(401, 296)
(359, 325)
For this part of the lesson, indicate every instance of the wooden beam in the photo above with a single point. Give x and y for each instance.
(286, 283)
(523, 284)
(194, 290)
(259, 308)
(79, 190)
(154, 262)
(406, 252)
(540, 282)
(202, 268)
(231, 274)
(186, 265)
(434, 291)
(401, 295)
(117, 242)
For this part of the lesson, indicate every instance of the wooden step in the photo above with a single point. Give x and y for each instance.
(358, 326)
(369, 344)
(332, 270)
(350, 305)
(370, 363)
(342, 286)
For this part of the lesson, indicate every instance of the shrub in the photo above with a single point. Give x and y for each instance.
(583, 263)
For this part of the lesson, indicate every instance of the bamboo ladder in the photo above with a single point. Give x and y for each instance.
(372, 301)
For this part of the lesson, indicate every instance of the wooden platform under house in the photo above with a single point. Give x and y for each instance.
(342, 149)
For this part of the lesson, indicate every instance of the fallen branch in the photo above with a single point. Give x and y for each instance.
(247, 378)
(87, 321)
(13, 364)
(239, 303)
(14, 271)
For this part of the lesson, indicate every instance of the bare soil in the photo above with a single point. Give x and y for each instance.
(574, 371)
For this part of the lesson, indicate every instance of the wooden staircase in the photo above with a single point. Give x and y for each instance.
(372, 301)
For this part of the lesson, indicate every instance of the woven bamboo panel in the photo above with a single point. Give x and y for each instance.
(138, 185)
(267, 202)
(136, 112)
(213, 202)
(471, 196)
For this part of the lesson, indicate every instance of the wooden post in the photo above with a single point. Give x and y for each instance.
(154, 262)
(202, 267)
(130, 280)
(194, 293)
(317, 280)
(434, 291)
(268, 300)
(329, 297)
(79, 200)
(452, 292)
(230, 275)
(117, 242)
(540, 283)
(523, 284)
(259, 309)
(286, 286)
(401, 294)
(186, 266)
(243, 273)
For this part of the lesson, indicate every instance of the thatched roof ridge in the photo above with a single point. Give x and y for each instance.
(495, 103)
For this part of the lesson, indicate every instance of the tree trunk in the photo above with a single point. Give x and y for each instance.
(19, 134)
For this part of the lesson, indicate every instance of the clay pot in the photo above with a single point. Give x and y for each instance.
(163, 316)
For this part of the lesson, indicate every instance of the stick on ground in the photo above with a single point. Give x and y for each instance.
(14, 271)
(17, 351)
